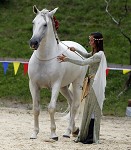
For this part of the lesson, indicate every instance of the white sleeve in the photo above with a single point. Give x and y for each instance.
(84, 54)
(93, 59)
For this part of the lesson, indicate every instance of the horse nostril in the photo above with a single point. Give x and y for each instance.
(35, 43)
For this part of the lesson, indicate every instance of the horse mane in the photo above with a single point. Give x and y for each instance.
(44, 11)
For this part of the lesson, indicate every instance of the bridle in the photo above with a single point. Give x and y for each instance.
(56, 35)
(58, 40)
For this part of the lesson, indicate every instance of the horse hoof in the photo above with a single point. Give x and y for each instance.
(55, 138)
(76, 140)
(32, 138)
(74, 134)
(66, 136)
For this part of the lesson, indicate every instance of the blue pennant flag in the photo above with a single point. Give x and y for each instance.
(5, 66)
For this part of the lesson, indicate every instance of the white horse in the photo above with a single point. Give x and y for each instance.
(45, 71)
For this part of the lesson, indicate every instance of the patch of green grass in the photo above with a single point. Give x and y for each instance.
(77, 20)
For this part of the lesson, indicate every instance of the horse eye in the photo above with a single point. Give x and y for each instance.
(45, 25)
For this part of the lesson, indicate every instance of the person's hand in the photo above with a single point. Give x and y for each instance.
(61, 58)
(72, 49)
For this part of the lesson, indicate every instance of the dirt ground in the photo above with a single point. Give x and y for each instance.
(16, 126)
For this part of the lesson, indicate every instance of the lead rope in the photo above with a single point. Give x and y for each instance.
(58, 40)
(74, 51)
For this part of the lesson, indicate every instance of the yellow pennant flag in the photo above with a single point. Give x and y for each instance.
(126, 71)
(16, 66)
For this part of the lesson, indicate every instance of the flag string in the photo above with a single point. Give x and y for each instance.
(17, 62)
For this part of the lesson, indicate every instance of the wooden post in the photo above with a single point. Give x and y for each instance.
(129, 103)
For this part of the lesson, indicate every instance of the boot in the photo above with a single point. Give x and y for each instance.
(89, 139)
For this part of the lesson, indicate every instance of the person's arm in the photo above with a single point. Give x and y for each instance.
(95, 58)
(84, 54)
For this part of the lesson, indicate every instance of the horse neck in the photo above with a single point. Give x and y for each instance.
(48, 47)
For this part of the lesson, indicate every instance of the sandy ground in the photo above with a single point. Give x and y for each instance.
(16, 126)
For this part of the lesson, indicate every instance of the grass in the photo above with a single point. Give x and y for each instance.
(77, 20)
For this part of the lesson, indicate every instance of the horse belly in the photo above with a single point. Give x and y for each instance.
(72, 73)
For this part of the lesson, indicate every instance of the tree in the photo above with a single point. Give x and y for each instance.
(119, 22)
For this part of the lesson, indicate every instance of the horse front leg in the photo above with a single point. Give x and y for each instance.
(35, 92)
(52, 109)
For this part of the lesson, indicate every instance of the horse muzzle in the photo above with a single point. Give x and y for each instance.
(34, 44)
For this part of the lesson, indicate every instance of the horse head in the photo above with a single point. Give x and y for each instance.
(40, 25)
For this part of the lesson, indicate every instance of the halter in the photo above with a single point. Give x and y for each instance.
(55, 25)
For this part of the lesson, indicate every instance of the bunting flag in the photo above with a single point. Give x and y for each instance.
(5, 66)
(25, 68)
(16, 66)
(107, 71)
(125, 71)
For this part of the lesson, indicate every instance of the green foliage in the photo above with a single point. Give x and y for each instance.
(115, 104)
(77, 20)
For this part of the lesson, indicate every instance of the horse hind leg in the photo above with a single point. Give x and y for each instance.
(66, 92)
(35, 92)
(75, 105)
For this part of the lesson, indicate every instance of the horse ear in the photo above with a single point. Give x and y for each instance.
(51, 13)
(35, 9)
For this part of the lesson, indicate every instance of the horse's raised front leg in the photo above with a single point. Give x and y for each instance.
(52, 109)
(35, 92)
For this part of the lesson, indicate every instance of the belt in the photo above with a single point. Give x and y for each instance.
(91, 76)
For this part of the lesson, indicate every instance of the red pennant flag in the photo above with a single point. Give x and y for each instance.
(25, 68)
(107, 71)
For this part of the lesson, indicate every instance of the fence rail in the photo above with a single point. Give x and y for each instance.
(110, 65)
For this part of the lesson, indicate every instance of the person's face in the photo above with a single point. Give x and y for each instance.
(91, 41)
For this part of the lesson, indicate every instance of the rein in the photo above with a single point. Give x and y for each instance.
(74, 51)
(58, 40)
